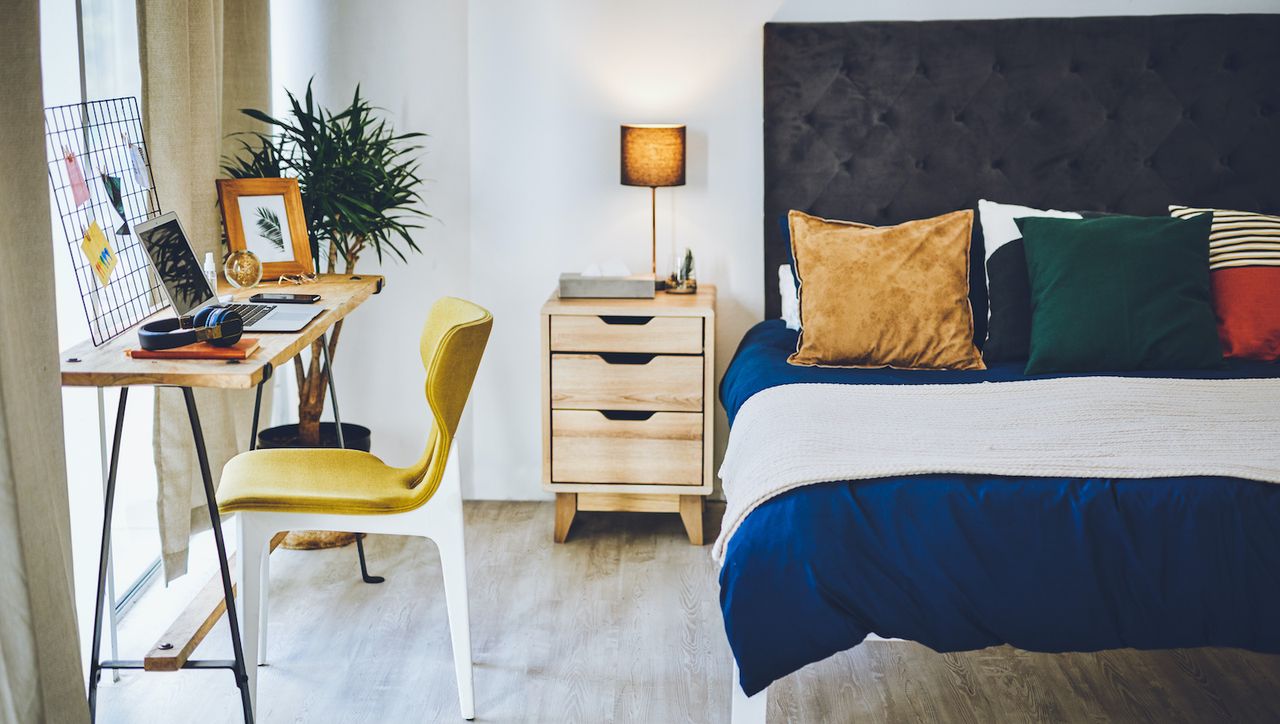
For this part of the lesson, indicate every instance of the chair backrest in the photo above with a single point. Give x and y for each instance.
(452, 343)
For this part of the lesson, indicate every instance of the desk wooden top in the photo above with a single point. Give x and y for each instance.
(108, 366)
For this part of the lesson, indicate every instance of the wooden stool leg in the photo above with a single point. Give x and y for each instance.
(691, 515)
(566, 508)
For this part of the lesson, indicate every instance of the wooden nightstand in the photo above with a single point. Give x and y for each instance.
(628, 392)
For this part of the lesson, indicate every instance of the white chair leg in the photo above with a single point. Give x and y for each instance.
(453, 562)
(747, 709)
(250, 547)
(264, 591)
(446, 529)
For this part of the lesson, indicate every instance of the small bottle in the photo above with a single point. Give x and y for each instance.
(210, 272)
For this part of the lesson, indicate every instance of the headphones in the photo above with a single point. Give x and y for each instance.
(219, 326)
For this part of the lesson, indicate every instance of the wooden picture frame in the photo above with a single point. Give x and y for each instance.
(283, 246)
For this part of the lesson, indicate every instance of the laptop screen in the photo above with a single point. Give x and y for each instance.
(175, 262)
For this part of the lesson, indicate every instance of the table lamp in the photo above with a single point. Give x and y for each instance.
(653, 156)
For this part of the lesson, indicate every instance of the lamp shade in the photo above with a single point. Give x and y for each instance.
(652, 155)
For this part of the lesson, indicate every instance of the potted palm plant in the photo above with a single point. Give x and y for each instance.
(359, 182)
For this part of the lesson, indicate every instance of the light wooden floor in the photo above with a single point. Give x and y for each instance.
(621, 624)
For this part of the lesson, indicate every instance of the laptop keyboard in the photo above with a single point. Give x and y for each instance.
(251, 313)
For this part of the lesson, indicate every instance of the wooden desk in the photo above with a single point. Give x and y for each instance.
(108, 366)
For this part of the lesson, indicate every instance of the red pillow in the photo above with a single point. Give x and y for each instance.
(1247, 302)
(1244, 264)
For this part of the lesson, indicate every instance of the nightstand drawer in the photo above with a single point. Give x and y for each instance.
(651, 335)
(588, 446)
(626, 381)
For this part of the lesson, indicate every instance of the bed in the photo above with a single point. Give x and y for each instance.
(885, 122)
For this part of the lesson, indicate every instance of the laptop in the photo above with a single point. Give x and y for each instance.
(188, 289)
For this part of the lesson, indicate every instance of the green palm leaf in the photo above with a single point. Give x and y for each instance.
(268, 224)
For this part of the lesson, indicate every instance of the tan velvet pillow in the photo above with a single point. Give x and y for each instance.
(891, 296)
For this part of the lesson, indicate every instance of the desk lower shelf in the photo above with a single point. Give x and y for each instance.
(179, 641)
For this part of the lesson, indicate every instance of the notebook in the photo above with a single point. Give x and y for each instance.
(200, 350)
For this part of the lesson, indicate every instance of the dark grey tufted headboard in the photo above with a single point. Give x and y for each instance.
(889, 121)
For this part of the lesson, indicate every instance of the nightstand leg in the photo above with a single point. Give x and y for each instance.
(566, 508)
(691, 515)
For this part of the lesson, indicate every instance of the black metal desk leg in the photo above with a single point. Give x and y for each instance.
(242, 678)
(257, 406)
(342, 443)
(104, 552)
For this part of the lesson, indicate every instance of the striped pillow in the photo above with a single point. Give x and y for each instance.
(1244, 261)
(1238, 238)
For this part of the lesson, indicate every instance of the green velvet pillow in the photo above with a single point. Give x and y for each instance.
(1120, 293)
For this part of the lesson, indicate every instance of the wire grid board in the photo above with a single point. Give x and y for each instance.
(104, 139)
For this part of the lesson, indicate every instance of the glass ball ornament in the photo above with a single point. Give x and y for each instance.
(243, 269)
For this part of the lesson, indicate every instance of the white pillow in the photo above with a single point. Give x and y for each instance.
(790, 297)
(998, 227)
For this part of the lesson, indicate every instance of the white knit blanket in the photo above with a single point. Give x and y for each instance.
(1084, 427)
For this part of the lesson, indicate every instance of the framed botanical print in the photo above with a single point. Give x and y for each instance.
(264, 215)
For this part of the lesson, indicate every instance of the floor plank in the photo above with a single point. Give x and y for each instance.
(621, 624)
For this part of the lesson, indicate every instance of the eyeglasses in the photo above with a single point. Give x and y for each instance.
(296, 279)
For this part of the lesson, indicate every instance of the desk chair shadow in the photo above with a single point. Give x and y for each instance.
(351, 491)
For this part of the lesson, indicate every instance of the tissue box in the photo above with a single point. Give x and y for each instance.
(577, 286)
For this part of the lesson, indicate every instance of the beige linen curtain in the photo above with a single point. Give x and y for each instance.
(40, 675)
(202, 60)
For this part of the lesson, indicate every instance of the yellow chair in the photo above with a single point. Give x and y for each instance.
(354, 491)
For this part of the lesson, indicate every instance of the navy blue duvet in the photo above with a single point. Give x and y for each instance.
(959, 562)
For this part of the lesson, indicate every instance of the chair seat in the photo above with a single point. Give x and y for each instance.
(343, 482)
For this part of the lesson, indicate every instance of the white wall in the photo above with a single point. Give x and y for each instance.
(410, 59)
(548, 83)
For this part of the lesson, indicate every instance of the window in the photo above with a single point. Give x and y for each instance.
(110, 65)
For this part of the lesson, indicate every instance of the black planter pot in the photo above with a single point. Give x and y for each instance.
(357, 437)
(286, 436)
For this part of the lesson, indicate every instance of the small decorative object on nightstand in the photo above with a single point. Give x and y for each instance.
(628, 391)
(684, 276)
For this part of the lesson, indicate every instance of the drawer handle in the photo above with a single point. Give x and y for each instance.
(626, 358)
(633, 415)
(615, 319)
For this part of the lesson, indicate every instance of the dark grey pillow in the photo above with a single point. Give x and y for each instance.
(1008, 286)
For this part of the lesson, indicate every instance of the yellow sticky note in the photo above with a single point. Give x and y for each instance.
(98, 251)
